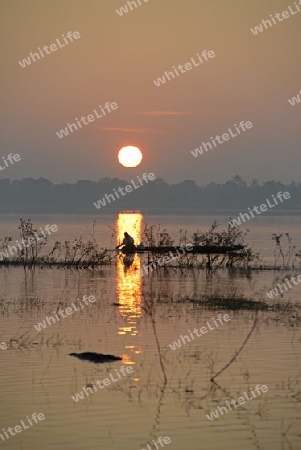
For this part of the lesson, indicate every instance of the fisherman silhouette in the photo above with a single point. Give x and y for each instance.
(128, 244)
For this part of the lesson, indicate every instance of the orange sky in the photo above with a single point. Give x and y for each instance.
(117, 58)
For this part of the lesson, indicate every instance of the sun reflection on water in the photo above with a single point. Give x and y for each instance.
(128, 283)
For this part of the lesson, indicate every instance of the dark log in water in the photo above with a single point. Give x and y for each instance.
(97, 358)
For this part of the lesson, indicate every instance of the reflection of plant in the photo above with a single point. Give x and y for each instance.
(149, 308)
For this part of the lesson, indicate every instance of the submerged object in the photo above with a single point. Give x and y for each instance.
(96, 358)
(140, 247)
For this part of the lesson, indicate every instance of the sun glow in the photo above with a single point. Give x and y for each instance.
(130, 156)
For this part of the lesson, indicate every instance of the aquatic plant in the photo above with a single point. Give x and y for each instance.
(233, 300)
(154, 236)
(29, 253)
(286, 253)
(229, 239)
(76, 253)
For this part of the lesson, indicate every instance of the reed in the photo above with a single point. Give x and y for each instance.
(218, 245)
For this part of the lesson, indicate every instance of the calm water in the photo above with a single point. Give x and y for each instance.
(38, 375)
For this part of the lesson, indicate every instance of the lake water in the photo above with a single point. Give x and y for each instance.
(38, 375)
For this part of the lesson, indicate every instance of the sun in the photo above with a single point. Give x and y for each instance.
(130, 156)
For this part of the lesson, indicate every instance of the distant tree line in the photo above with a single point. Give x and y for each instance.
(41, 195)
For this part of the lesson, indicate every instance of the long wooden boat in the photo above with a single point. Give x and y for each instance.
(197, 249)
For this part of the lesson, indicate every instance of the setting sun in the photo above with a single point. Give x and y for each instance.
(130, 156)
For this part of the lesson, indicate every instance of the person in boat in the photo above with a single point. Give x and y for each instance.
(128, 244)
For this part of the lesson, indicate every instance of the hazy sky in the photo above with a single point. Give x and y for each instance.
(117, 58)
